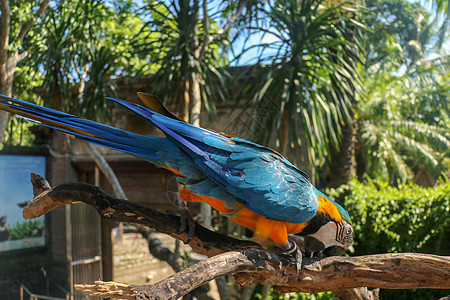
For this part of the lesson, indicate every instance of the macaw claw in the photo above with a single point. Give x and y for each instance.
(182, 211)
(187, 224)
(293, 249)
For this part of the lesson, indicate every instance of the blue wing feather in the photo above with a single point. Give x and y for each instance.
(228, 169)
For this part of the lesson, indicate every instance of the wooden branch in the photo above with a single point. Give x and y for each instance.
(20, 56)
(391, 271)
(332, 273)
(23, 32)
(205, 241)
(206, 28)
(114, 290)
(159, 251)
(184, 281)
(252, 263)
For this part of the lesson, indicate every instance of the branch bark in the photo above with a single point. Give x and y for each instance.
(400, 270)
(32, 21)
(248, 261)
(230, 21)
(206, 26)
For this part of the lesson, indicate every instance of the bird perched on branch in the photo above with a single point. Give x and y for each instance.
(252, 185)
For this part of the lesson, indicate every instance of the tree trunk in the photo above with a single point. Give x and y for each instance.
(361, 166)
(341, 163)
(7, 91)
(195, 105)
(7, 71)
(194, 118)
(284, 131)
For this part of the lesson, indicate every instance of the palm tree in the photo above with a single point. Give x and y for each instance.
(442, 11)
(399, 34)
(185, 44)
(84, 49)
(400, 117)
(183, 41)
(305, 93)
(404, 122)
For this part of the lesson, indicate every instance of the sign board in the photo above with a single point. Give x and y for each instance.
(15, 191)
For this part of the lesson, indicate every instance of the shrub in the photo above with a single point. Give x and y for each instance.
(387, 219)
(409, 218)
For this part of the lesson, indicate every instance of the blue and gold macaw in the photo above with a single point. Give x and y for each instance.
(250, 184)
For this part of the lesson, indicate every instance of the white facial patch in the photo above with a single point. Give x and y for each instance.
(327, 235)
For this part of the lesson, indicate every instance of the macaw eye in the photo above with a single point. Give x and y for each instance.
(349, 230)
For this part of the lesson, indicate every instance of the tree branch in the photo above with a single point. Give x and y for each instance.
(332, 273)
(206, 27)
(23, 32)
(184, 281)
(249, 262)
(106, 169)
(205, 242)
(391, 271)
(20, 56)
(158, 250)
(231, 21)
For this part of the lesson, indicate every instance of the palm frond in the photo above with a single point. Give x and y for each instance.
(311, 74)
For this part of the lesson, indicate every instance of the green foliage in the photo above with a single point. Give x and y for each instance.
(85, 44)
(18, 132)
(21, 11)
(409, 218)
(259, 291)
(404, 122)
(442, 16)
(399, 32)
(26, 229)
(302, 296)
(184, 52)
(25, 80)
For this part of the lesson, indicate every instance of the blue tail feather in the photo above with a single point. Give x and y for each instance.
(91, 131)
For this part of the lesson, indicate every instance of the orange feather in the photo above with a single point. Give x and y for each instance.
(264, 228)
(328, 208)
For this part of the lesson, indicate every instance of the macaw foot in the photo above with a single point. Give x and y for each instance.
(186, 221)
(187, 224)
(292, 248)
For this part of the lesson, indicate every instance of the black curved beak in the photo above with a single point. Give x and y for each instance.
(313, 246)
(333, 251)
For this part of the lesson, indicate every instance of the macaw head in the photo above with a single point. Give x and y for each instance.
(330, 232)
